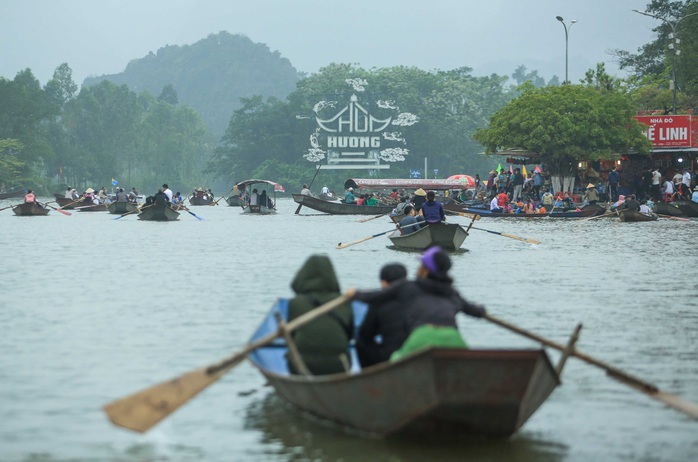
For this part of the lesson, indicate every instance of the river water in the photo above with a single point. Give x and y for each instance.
(92, 309)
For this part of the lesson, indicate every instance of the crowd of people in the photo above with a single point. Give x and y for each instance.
(403, 317)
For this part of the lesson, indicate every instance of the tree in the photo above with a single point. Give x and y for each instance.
(655, 62)
(11, 166)
(168, 95)
(567, 124)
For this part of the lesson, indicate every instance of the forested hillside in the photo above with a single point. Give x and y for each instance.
(211, 75)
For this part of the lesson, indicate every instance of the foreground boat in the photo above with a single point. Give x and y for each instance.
(435, 392)
(632, 215)
(29, 209)
(448, 236)
(122, 207)
(234, 200)
(200, 200)
(158, 213)
(340, 208)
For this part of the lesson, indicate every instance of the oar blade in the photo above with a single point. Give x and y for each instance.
(349, 244)
(143, 410)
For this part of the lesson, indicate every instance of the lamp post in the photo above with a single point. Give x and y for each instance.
(672, 46)
(567, 42)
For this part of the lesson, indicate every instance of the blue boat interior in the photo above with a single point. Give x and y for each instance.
(273, 356)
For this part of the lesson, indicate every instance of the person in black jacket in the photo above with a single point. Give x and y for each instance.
(428, 300)
(384, 320)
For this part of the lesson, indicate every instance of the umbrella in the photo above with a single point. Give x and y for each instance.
(466, 180)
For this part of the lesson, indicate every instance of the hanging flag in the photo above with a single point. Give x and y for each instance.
(537, 169)
(511, 169)
(499, 168)
(114, 182)
(523, 171)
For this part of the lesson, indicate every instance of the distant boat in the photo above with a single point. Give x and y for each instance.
(158, 213)
(247, 187)
(448, 236)
(340, 208)
(12, 193)
(28, 209)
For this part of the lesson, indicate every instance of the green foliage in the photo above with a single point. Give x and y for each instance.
(655, 61)
(11, 166)
(565, 124)
(450, 106)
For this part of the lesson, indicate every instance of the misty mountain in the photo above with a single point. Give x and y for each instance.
(211, 75)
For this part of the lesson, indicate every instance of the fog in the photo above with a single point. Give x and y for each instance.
(495, 36)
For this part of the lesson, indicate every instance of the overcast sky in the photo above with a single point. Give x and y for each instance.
(98, 37)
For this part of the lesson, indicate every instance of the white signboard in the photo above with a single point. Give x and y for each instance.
(352, 138)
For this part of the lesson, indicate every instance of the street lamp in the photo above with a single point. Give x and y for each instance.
(567, 41)
(672, 46)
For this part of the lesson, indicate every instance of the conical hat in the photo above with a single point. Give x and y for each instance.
(89, 190)
(590, 185)
(420, 192)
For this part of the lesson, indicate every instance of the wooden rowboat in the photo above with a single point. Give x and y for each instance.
(340, 208)
(29, 209)
(448, 236)
(12, 193)
(158, 213)
(196, 200)
(689, 208)
(234, 201)
(632, 215)
(120, 208)
(437, 391)
(668, 208)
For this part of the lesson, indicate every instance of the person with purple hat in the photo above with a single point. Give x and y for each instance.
(429, 303)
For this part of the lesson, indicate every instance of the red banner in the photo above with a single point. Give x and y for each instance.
(668, 130)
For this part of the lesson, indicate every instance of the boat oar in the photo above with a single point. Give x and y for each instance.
(511, 236)
(311, 183)
(463, 214)
(186, 209)
(605, 214)
(669, 399)
(364, 239)
(673, 218)
(138, 210)
(216, 203)
(142, 410)
(56, 209)
(8, 207)
(71, 203)
(373, 218)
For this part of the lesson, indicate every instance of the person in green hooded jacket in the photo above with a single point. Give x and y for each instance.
(322, 343)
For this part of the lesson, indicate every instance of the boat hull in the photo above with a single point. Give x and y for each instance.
(340, 208)
(158, 213)
(199, 201)
(448, 236)
(234, 201)
(30, 209)
(92, 208)
(435, 392)
(668, 208)
(632, 215)
(122, 207)
(689, 208)
(11, 194)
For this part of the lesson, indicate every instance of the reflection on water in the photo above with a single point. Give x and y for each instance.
(92, 309)
(303, 439)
